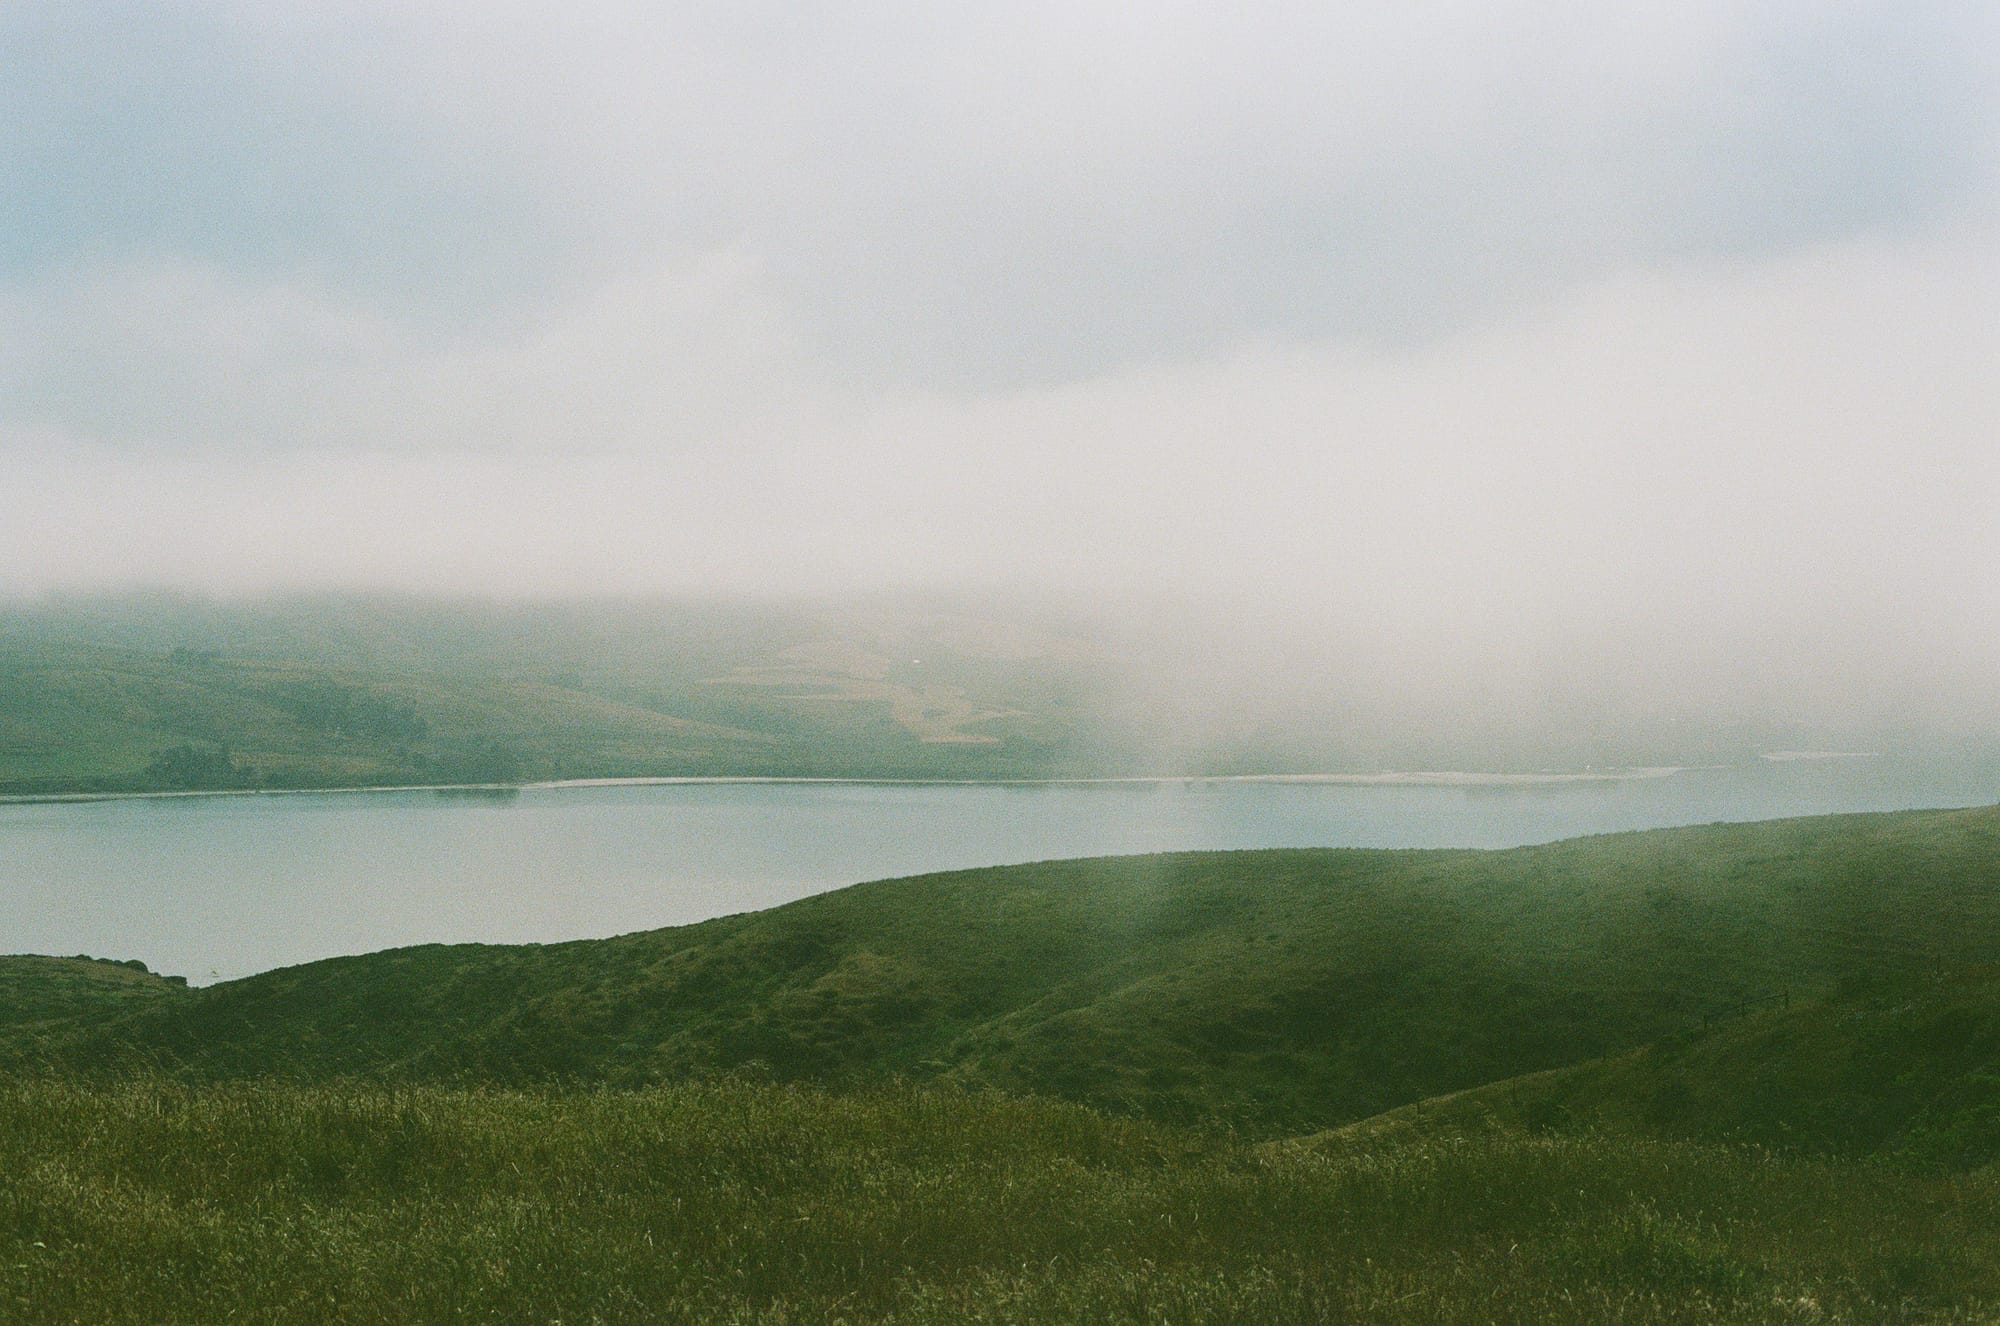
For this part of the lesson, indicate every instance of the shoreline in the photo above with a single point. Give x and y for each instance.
(1387, 778)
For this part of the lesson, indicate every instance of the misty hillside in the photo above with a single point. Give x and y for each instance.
(162, 693)
(1281, 991)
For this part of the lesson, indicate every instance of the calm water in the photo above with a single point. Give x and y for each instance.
(217, 887)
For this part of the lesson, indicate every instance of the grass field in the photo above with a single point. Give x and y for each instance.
(152, 1202)
(1740, 1073)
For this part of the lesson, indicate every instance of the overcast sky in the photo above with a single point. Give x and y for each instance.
(1547, 317)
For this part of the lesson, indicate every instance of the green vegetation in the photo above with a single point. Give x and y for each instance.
(1738, 1073)
(169, 696)
(76, 719)
(156, 1203)
(154, 693)
(1901, 1066)
(35, 990)
(1277, 991)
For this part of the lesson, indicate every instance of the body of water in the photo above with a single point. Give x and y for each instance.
(221, 886)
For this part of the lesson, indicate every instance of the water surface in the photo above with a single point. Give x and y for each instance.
(222, 886)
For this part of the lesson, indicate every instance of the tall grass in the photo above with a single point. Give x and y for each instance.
(157, 1202)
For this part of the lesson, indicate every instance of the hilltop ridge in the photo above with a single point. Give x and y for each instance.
(1280, 991)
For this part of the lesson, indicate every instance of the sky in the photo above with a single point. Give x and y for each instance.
(1581, 325)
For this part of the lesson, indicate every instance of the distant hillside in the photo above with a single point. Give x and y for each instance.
(163, 694)
(1280, 991)
(158, 692)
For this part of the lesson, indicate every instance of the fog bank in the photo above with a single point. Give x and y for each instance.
(1471, 351)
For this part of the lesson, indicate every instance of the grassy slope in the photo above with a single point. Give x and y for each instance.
(1280, 991)
(80, 718)
(93, 690)
(36, 989)
(1902, 1065)
(1593, 1192)
(89, 701)
(724, 1202)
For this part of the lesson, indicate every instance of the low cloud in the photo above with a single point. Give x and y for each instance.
(1526, 339)
(1804, 437)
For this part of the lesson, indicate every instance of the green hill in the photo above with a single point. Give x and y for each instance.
(154, 692)
(35, 989)
(1900, 1065)
(1739, 1073)
(164, 694)
(1277, 991)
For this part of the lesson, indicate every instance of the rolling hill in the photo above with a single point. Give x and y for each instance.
(1737, 1073)
(1901, 1064)
(1276, 991)
(166, 695)
(36, 989)
(156, 692)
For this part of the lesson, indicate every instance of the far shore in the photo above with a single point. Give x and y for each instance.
(1407, 778)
